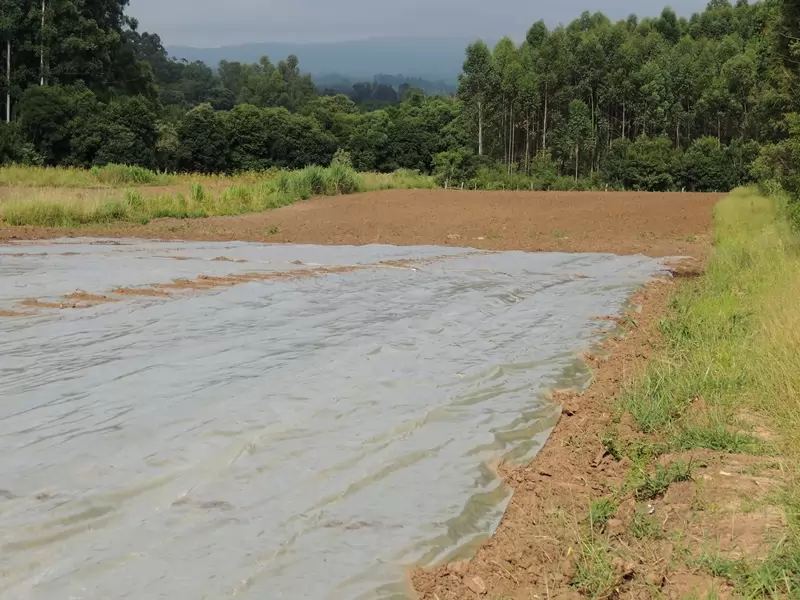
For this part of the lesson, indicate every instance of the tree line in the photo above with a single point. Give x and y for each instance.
(697, 103)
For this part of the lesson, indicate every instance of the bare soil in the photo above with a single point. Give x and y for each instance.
(655, 224)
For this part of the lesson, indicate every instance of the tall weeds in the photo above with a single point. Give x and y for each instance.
(274, 190)
(107, 176)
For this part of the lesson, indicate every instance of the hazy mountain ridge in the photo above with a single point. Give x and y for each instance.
(434, 59)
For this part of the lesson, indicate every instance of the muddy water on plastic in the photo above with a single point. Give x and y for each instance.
(291, 438)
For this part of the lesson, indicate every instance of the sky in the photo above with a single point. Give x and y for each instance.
(210, 23)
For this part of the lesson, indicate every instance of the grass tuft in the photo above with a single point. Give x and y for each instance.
(644, 527)
(600, 512)
(595, 575)
(650, 487)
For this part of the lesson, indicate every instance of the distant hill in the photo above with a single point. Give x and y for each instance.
(344, 85)
(425, 58)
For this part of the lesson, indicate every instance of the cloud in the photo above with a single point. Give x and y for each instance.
(207, 23)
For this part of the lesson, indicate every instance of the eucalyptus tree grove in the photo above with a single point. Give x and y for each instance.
(576, 91)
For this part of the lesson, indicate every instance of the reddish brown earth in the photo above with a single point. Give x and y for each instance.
(656, 224)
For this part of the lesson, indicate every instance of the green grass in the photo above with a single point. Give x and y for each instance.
(595, 574)
(600, 511)
(733, 350)
(402, 179)
(644, 527)
(649, 487)
(249, 194)
(776, 576)
(713, 330)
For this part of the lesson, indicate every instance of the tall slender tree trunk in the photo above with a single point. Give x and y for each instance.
(511, 140)
(41, 50)
(544, 122)
(744, 120)
(503, 138)
(577, 154)
(677, 132)
(527, 141)
(688, 124)
(623, 118)
(480, 128)
(594, 132)
(8, 81)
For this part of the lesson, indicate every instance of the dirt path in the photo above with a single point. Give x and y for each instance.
(655, 224)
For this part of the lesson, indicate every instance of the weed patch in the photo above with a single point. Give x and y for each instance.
(650, 487)
(600, 511)
(644, 527)
(595, 575)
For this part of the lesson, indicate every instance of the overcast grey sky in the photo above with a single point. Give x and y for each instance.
(215, 23)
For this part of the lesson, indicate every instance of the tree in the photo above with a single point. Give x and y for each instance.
(579, 129)
(10, 20)
(122, 132)
(453, 167)
(644, 164)
(46, 115)
(203, 140)
(705, 167)
(476, 83)
(368, 143)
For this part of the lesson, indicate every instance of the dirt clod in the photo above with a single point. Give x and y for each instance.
(654, 578)
(615, 527)
(476, 584)
(570, 409)
(624, 569)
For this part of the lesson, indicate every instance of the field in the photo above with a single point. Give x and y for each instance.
(654, 224)
(673, 474)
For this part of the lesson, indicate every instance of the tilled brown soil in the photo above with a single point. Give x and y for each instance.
(655, 224)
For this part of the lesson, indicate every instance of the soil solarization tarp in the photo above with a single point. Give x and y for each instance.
(306, 435)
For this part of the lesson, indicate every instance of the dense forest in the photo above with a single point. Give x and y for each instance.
(704, 103)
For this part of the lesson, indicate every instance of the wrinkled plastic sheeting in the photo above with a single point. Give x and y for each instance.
(291, 438)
